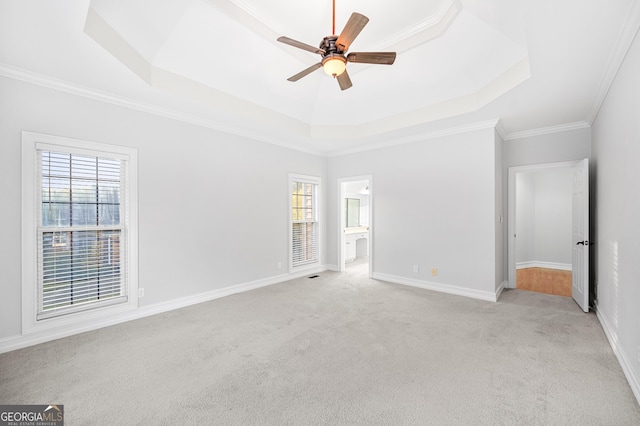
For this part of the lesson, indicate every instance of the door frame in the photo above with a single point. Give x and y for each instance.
(341, 219)
(511, 223)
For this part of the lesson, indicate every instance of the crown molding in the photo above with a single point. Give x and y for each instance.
(66, 87)
(500, 130)
(419, 137)
(626, 36)
(547, 130)
(73, 89)
(101, 96)
(423, 31)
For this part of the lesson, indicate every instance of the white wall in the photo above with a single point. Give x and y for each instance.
(616, 154)
(554, 191)
(213, 207)
(434, 205)
(543, 216)
(525, 217)
(548, 148)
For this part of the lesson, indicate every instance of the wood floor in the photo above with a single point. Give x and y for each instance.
(544, 280)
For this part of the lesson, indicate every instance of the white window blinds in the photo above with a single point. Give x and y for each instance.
(304, 222)
(81, 248)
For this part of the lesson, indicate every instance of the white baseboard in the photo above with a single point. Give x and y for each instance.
(334, 268)
(503, 285)
(23, 341)
(443, 288)
(548, 265)
(632, 378)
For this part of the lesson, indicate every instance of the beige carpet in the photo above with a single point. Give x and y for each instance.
(337, 349)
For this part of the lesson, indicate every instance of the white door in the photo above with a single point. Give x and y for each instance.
(580, 232)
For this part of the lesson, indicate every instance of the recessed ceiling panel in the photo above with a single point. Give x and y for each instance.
(223, 46)
(310, 21)
(449, 67)
(210, 48)
(145, 24)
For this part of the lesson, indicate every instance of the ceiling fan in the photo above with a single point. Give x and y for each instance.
(333, 49)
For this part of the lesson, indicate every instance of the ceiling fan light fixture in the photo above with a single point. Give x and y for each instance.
(334, 65)
(333, 49)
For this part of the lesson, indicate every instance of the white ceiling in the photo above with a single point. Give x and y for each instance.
(531, 64)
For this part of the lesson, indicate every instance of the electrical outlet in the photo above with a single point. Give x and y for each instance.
(279, 265)
(141, 292)
(434, 272)
(416, 269)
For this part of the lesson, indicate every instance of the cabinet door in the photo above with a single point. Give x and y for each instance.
(350, 249)
(362, 249)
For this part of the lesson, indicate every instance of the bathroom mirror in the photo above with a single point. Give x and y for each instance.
(352, 212)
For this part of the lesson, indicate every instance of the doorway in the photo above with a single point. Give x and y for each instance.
(355, 219)
(548, 229)
(543, 230)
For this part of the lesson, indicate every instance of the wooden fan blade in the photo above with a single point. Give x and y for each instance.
(301, 45)
(385, 58)
(355, 24)
(307, 71)
(344, 81)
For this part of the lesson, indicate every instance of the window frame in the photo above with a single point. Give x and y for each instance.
(31, 225)
(318, 209)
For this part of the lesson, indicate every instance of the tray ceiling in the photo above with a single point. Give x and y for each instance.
(217, 63)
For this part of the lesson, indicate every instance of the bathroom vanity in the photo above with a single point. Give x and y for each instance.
(355, 242)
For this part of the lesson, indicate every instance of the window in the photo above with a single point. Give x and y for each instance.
(79, 232)
(304, 220)
(80, 240)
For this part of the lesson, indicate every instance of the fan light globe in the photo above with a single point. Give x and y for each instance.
(334, 66)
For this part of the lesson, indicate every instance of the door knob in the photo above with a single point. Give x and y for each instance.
(582, 243)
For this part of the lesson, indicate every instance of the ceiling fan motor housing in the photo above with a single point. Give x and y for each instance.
(328, 44)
